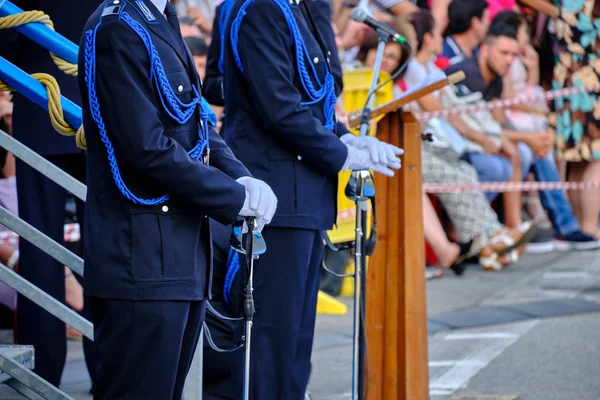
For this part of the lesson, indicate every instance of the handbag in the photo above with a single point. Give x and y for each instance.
(447, 142)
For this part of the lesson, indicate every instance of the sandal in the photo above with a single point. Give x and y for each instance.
(505, 242)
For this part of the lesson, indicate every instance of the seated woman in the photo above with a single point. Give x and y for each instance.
(532, 118)
(469, 212)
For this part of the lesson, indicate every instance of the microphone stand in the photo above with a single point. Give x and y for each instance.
(359, 189)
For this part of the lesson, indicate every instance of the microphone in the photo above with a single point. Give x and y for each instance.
(360, 15)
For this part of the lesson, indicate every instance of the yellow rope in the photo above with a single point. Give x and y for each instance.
(55, 110)
(27, 17)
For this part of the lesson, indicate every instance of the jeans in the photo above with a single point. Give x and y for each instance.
(555, 202)
(490, 168)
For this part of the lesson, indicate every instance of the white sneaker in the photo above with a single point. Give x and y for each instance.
(540, 247)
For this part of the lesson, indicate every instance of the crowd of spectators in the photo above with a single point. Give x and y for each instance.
(503, 49)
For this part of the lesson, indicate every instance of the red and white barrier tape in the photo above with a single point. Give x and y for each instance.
(499, 187)
(72, 234)
(549, 95)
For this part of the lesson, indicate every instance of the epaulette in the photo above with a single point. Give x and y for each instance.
(114, 7)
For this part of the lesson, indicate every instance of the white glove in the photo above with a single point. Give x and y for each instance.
(260, 201)
(359, 159)
(380, 152)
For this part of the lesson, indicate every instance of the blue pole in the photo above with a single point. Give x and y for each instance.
(36, 92)
(43, 35)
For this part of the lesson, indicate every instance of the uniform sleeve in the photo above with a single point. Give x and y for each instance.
(213, 80)
(264, 49)
(129, 109)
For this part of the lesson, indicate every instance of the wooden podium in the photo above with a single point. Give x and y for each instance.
(396, 311)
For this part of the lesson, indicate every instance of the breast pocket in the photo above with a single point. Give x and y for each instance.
(182, 88)
(318, 62)
(181, 85)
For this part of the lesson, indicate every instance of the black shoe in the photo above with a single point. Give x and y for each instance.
(468, 250)
(458, 269)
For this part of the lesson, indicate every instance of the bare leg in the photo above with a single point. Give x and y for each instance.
(512, 200)
(576, 175)
(73, 291)
(590, 199)
(445, 250)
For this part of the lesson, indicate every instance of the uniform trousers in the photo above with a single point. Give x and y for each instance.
(144, 349)
(286, 285)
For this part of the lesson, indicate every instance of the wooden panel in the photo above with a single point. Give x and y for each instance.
(396, 311)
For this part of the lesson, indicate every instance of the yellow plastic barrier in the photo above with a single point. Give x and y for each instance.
(327, 305)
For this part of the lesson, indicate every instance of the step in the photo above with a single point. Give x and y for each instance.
(24, 355)
(16, 364)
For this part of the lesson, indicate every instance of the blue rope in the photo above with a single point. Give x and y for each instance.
(176, 109)
(226, 7)
(233, 266)
(325, 91)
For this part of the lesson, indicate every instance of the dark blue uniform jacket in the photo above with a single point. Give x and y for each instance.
(160, 252)
(281, 141)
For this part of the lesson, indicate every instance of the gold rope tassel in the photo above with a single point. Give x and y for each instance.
(57, 117)
(27, 17)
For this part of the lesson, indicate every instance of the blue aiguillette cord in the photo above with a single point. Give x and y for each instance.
(325, 91)
(177, 110)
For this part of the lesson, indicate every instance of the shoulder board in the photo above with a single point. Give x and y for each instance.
(113, 8)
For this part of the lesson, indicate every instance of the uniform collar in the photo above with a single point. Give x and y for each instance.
(294, 2)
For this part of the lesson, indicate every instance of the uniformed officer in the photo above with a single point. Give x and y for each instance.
(216, 373)
(41, 201)
(280, 105)
(151, 188)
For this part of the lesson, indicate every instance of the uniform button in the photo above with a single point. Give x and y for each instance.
(299, 158)
(116, 2)
(316, 60)
(180, 88)
(165, 208)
